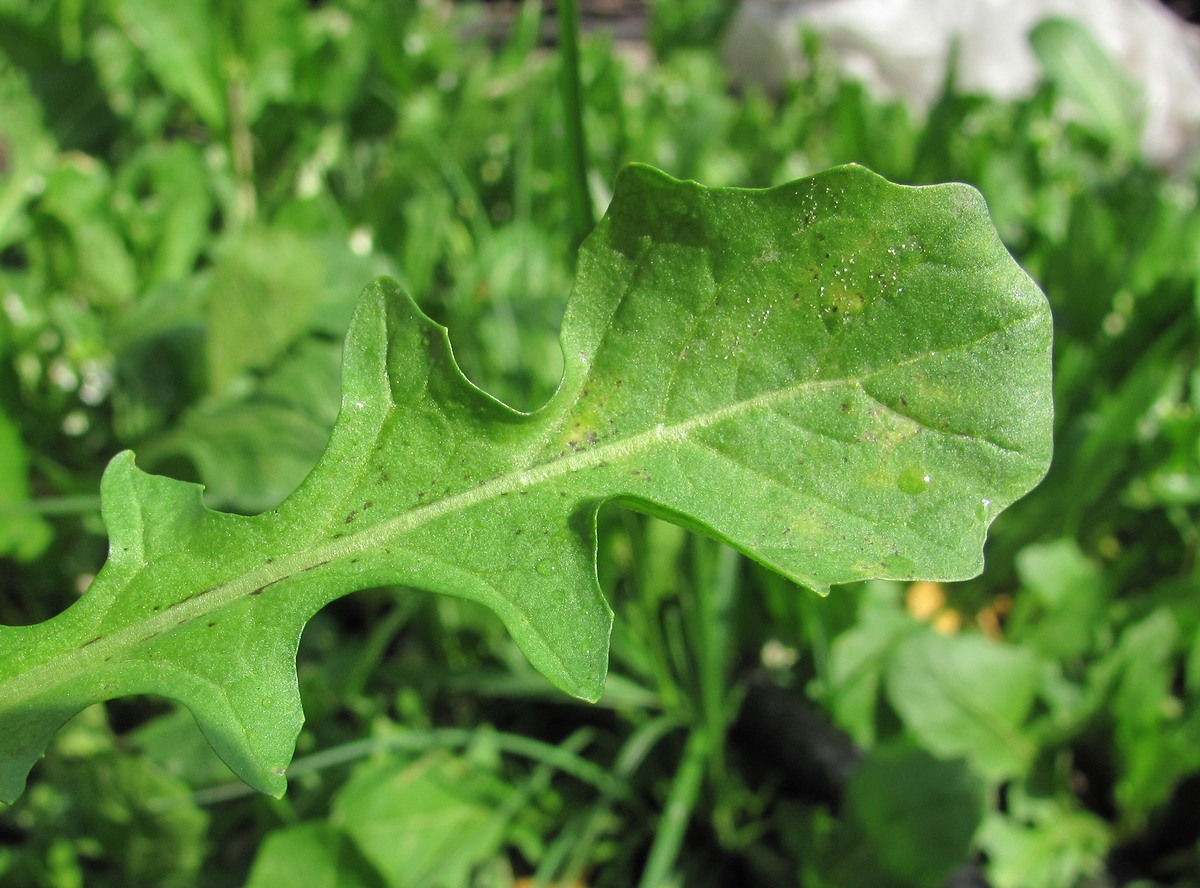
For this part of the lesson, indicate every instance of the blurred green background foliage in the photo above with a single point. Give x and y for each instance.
(191, 197)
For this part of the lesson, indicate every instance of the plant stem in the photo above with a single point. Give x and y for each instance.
(579, 198)
(631, 757)
(561, 757)
(681, 802)
(56, 505)
(241, 145)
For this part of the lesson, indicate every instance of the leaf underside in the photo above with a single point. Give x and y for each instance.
(841, 377)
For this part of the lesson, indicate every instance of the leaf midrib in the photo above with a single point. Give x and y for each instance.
(63, 667)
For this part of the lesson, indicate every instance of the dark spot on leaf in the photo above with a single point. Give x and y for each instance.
(845, 406)
(197, 594)
(210, 625)
(518, 531)
(265, 586)
(270, 561)
(93, 641)
(350, 517)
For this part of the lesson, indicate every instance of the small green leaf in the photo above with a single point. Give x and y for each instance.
(262, 291)
(23, 535)
(424, 822)
(315, 855)
(1044, 843)
(840, 377)
(1155, 732)
(1101, 96)
(1062, 614)
(897, 799)
(859, 657)
(966, 696)
(180, 49)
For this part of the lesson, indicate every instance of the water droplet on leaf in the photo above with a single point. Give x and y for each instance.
(913, 480)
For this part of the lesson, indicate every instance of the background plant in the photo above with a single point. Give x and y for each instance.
(154, 158)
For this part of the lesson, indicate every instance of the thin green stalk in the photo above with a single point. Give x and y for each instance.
(577, 847)
(681, 802)
(540, 779)
(813, 625)
(557, 757)
(579, 197)
(241, 149)
(53, 505)
(716, 588)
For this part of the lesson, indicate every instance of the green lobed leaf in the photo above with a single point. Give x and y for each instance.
(262, 292)
(23, 535)
(840, 377)
(312, 854)
(966, 696)
(424, 822)
(897, 798)
(180, 47)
